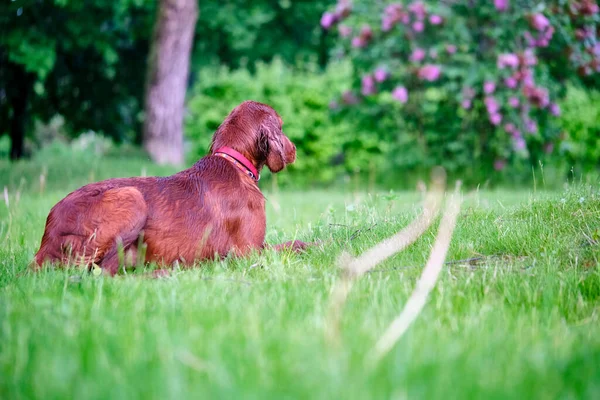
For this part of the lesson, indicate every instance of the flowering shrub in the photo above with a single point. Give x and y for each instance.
(473, 81)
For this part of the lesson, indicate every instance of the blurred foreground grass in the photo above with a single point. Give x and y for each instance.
(518, 320)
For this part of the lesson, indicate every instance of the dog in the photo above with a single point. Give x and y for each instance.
(213, 209)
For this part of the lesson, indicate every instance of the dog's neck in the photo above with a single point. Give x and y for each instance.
(238, 160)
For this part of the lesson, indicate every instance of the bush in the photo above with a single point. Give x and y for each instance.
(580, 122)
(302, 99)
(477, 86)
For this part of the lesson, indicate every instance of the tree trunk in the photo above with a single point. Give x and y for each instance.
(18, 94)
(168, 69)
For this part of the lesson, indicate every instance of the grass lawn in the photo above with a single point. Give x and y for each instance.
(519, 322)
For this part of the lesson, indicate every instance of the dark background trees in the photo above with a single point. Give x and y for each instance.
(87, 60)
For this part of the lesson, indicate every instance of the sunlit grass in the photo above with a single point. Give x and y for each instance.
(518, 319)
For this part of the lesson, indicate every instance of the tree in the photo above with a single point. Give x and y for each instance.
(168, 70)
(65, 57)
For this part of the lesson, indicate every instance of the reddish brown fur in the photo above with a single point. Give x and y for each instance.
(210, 209)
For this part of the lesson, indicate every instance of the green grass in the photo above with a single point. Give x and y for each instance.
(520, 323)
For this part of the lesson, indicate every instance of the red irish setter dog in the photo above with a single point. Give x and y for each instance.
(212, 209)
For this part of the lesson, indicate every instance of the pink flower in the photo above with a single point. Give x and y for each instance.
(387, 24)
(519, 143)
(344, 30)
(510, 127)
(400, 93)
(511, 82)
(417, 55)
(368, 85)
(495, 119)
(489, 87)
(491, 105)
(538, 96)
(418, 26)
(327, 20)
(507, 60)
(358, 42)
(539, 22)
(366, 32)
(429, 72)
(548, 148)
(343, 9)
(466, 104)
(451, 49)
(435, 19)
(380, 74)
(418, 9)
(513, 102)
(555, 109)
(501, 5)
(530, 126)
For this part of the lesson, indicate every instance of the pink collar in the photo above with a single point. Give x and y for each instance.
(239, 161)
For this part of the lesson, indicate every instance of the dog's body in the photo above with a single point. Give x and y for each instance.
(212, 208)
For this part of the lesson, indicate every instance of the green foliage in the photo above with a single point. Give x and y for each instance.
(83, 60)
(238, 33)
(580, 122)
(302, 99)
(87, 60)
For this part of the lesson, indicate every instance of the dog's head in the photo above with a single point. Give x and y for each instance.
(255, 130)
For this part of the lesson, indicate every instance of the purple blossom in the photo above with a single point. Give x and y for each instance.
(358, 42)
(499, 164)
(537, 95)
(430, 72)
(513, 102)
(451, 49)
(368, 85)
(501, 5)
(507, 60)
(327, 20)
(530, 125)
(418, 26)
(548, 147)
(489, 87)
(491, 105)
(418, 9)
(510, 127)
(511, 82)
(519, 143)
(495, 119)
(539, 22)
(386, 24)
(344, 30)
(380, 74)
(530, 39)
(555, 109)
(417, 55)
(435, 19)
(466, 104)
(400, 93)
(366, 32)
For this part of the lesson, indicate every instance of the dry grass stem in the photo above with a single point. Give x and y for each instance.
(426, 282)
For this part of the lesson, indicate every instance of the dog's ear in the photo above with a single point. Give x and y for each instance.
(272, 143)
